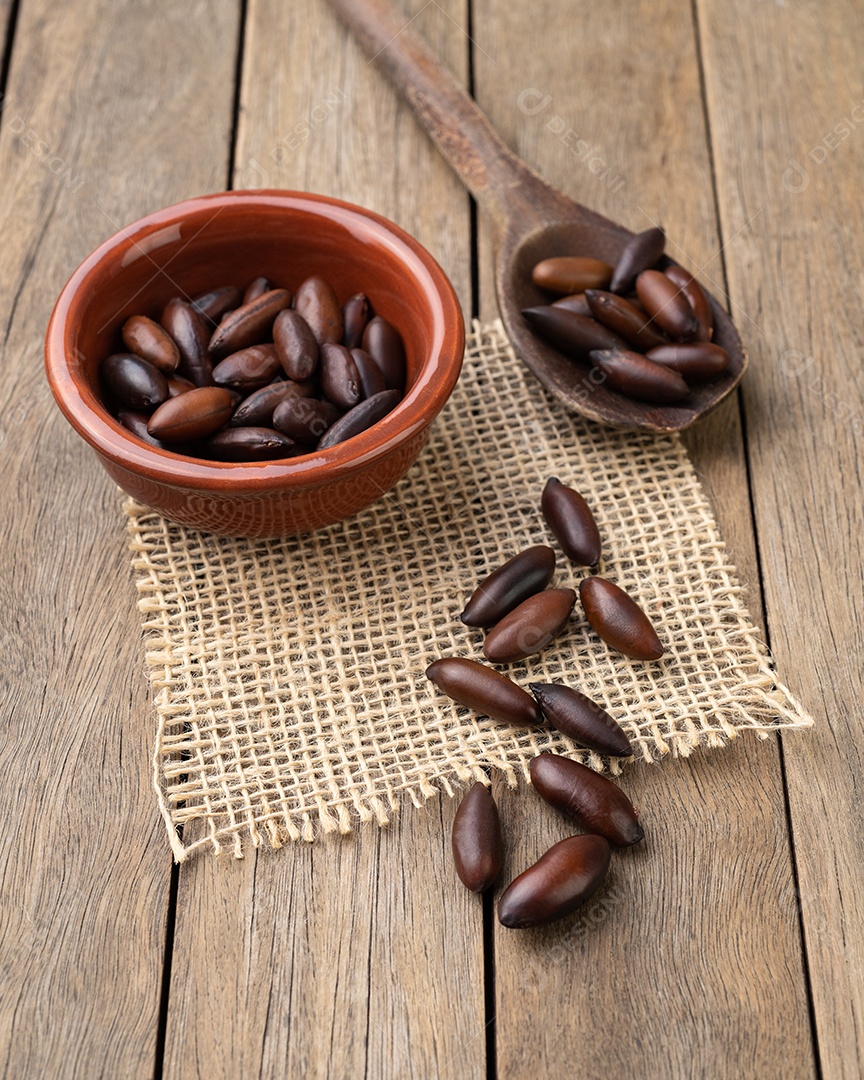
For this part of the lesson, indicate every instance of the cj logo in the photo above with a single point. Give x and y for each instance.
(796, 178)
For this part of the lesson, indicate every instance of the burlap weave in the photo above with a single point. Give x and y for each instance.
(288, 674)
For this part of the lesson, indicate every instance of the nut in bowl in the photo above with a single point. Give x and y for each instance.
(234, 238)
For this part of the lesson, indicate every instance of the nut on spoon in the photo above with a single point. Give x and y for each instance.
(531, 221)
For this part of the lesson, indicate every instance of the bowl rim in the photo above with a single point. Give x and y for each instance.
(416, 410)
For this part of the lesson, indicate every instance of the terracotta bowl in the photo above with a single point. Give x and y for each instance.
(231, 238)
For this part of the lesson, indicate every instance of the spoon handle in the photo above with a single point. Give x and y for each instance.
(493, 174)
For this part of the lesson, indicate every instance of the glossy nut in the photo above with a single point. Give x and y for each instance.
(356, 313)
(569, 873)
(529, 627)
(133, 381)
(257, 409)
(384, 344)
(478, 848)
(484, 690)
(666, 304)
(296, 345)
(636, 377)
(619, 620)
(581, 719)
(568, 274)
(575, 335)
(248, 369)
(372, 380)
(177, 385)
(192, 416)
(152, 342)
(591, 800)
(641, 252)
(360, 418)
(577, 303)
(698, 300)
(249, 324)
(692, 360)
(189, 331)
(136, 422)
(340, 380)
(257, 287)
(304, 419)
(216, 303)
(572, 524)
(316, 302)
(248, 444)
(505, 588)
(624, 319)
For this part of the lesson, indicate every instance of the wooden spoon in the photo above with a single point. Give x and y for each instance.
(531, 221)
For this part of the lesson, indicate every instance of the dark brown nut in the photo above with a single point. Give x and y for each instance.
(188, 329)
(133, 381)
(248, 444)
(340, 380)
(295, 344)
(249, 324)
(384, 344)
(693, 360)
(568, 274)
(371, 377)
(565, 877)
(152, 342)
(257, 409)
(698, 300)
(478, 848)
(529, 627)
(317, 303)
(213, 305)
(625, 319)
(619, 620)
(641, 252)
(577, 303)
(581, 719)
(136, 422)
(248, 369)
(572, 524)
(177, 385)
(356, 313)
(360, 418)
(505, 588)
(575, 335)
(588, 798)
(201, 412)
(304, 419)
(485, 690)
(666, 304)
(633, 375)
(257, 287)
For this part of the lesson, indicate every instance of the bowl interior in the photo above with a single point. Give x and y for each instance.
(231, 239)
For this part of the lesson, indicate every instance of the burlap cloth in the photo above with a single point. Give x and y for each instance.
(288, 674)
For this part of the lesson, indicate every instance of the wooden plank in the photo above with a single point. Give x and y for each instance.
(356, 956)
(788, 128)
(689, 963)
(108, 114)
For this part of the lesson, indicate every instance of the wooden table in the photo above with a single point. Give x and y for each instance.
(735, 946)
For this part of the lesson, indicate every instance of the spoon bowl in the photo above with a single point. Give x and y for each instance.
(531, 221)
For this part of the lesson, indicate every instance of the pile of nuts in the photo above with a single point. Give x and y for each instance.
(521, 616)
(648, 332)
(255, 375)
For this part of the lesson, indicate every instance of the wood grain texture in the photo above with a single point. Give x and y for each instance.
(789, 169)
(107, 116)
(687, 973)
(359, 956)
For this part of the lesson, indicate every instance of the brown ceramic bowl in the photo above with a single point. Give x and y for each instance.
(231, 238)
